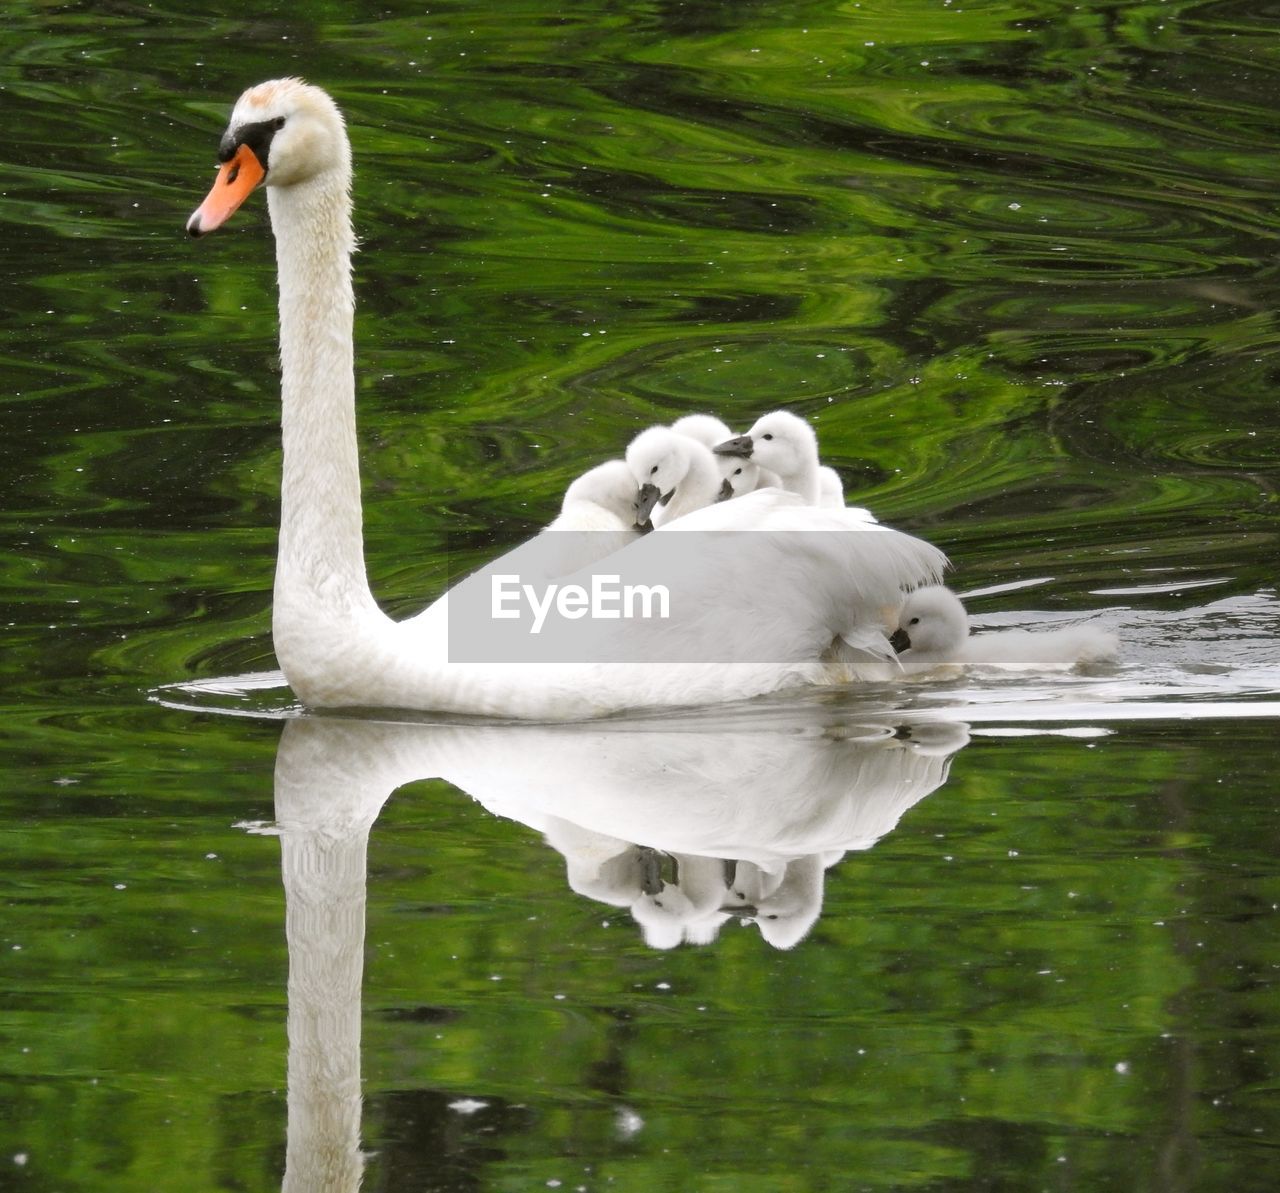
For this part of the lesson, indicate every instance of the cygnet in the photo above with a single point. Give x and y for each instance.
(933, 631)
(737, 474)
(674, 473)
(786, 445)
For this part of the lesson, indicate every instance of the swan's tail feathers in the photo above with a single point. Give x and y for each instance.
(885, 565)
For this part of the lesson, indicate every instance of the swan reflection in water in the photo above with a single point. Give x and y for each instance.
(688, 823)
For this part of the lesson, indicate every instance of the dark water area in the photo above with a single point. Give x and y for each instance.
(1016, 262)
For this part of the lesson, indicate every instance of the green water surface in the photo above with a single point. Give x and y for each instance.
(1016, 261)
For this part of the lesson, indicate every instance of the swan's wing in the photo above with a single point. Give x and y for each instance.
(746, 512)
(779, 592)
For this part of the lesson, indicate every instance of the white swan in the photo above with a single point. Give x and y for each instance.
(337, 648)
(787, 446)
(933, 631)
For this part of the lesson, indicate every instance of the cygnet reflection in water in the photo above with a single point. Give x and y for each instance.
(688, 830)
(664, 818)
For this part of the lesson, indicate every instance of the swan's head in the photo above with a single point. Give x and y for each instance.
(611, 487)
(659, 460)
(782, 442)
(282, 133)
(931, 621)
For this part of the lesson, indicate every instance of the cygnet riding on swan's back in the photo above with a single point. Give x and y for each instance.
(738, 475)
(674, 473)
(337, 648)
(933, 631)
(603, 498)
(705, 428)
(598, 513)
(787, 446)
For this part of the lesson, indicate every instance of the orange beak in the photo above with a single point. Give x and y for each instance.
(236, 178)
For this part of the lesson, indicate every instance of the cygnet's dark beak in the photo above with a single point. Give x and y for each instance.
(900, 640)
(646, 499)
(726, 490)
(741, 445)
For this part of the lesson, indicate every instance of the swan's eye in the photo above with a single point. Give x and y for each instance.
(914, 621)
(737, 472)
(653, 470)
(766, 436)
(278, 122)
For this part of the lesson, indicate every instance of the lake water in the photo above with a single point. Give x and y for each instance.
(1017, 262)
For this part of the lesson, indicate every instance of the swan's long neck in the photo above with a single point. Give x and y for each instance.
(320, 575)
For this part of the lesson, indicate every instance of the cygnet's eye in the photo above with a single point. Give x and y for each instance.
(914, 621)
(766, 436)
(278, 122)
(653, 470)
(737, 472)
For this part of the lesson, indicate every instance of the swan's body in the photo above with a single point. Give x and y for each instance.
(787, 446)
(933, 631)
(336, 647)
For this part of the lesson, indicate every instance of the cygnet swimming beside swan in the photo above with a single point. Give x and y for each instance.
(933, 631)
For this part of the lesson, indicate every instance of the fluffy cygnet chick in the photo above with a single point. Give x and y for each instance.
(605, 497)
(737, 474)
(674, 473)
(933, 631)
(786, 445)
